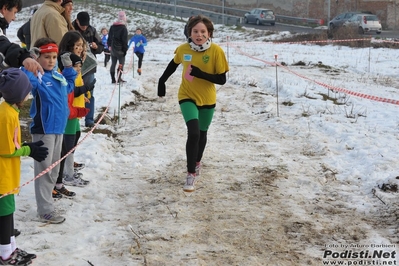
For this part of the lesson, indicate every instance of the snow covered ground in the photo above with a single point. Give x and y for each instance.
(287, 178)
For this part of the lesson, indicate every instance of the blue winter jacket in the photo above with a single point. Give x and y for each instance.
(135, 40)
(49, 110)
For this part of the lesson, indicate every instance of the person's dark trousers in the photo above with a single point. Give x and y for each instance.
(107, 57)
(67, 144)
(140, 57)
(89, 119)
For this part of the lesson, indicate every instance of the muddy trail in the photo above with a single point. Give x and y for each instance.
(252, 204)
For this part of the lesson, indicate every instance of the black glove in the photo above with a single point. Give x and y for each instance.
(37, 152)
(214, 78)
(161, 88)
(196, 72)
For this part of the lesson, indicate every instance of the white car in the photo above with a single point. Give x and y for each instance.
(260, 16)
(364, 23)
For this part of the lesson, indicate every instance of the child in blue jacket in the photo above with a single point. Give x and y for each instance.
(139, 42)
(49, 112)
(104, 40)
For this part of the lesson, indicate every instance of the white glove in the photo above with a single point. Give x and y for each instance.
(66, 59)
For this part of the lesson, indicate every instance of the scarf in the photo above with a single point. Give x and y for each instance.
(199, 48)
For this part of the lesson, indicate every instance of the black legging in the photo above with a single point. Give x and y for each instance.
(107, 56)
(140, 56)
(117, 56)
(195, 145)
(7, 228)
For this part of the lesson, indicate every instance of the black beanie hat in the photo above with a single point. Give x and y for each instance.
(14, 85)
(75, 59)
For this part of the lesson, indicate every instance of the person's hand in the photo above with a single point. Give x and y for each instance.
(66, 59)
(161, 88)
(138, 44)
(37, 152)
(93, 45)
(33, 66)
(195, 71)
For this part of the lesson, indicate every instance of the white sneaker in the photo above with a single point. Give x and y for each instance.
(190, 180)
(76, 181)
(51, 218)
(80, 176)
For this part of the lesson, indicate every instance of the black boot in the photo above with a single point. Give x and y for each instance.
(113, 77)
(120, 80)
(120, 70)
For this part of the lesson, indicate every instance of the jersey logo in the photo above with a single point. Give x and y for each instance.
(205, 59)
(187, 57)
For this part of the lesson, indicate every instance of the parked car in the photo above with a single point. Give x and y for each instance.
(339, 20)
(260, 16)
(364, 23)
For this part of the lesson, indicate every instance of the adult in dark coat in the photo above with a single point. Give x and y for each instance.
(23, 33)
(117, 42)
(89, 33)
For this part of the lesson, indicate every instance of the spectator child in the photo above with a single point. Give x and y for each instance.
(72, 42)
(204, 65)
(104, 40)
(49, 112)
(15, 87)
(139, 42)
(14, 55)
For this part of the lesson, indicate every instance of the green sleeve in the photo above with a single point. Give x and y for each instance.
(23, 151)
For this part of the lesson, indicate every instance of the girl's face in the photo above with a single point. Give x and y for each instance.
(104, 32)
(78, 47)
(68, 8)
(47, 60)
(199, 34)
